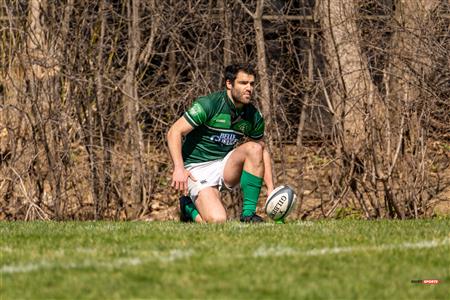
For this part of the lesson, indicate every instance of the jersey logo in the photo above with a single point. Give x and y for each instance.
(196, 109)
(244, 127)
(225, 139)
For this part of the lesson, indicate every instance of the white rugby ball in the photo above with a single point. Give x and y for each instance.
(280, 202)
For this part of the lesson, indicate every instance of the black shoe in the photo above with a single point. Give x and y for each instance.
(184, 201)
(252, 219)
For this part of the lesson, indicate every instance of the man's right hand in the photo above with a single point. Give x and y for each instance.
(180, 178)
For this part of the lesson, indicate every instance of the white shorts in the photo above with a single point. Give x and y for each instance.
(207, 174)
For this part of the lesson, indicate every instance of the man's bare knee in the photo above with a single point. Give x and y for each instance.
(255, 154)
(254, 148)
(216, 218)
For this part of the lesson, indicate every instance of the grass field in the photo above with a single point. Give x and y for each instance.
(346, 259)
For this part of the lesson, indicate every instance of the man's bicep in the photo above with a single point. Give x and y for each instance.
(182, 126)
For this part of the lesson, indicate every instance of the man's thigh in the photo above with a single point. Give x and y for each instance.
(206, 175)
(210, 206)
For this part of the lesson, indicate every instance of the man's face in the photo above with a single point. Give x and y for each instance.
(242, 89)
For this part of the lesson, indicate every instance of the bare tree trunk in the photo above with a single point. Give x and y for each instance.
(307, 101)
(228, 33)
(104, 160)
(411, 61)
(262, 68)
(45, 107)
(266, 102)
(148, 51)
(350, 68)
(355, 105)
(133, 134)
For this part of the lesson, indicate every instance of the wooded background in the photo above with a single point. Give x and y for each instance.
(356, 96)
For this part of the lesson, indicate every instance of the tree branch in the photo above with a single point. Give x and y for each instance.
(246, 9)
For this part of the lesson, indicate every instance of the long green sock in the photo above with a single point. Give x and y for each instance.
(191, 210)
(251, 186)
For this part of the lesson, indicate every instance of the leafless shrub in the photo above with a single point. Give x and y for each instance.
(356, 94)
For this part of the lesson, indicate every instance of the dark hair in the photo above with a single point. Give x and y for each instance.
(231, 71)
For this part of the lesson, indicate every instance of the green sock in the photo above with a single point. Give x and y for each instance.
(191, 210)
(251, 186)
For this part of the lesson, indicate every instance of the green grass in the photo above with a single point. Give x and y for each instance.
(346, 259)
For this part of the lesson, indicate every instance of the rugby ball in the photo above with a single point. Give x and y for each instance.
(280, 202)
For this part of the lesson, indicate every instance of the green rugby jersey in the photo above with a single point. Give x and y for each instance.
(218, 126)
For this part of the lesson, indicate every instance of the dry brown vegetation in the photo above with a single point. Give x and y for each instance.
(356, 94)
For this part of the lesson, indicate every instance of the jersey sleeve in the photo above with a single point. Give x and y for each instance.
(257, 132)
(199, 112)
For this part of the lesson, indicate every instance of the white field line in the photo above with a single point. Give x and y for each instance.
(177, 254)
(6, 249)
(270, 224)
(165, 257)
(289, 251)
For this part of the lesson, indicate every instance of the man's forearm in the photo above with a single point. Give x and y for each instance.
(174, 140)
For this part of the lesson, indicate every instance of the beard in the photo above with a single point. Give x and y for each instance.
(240, 97)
